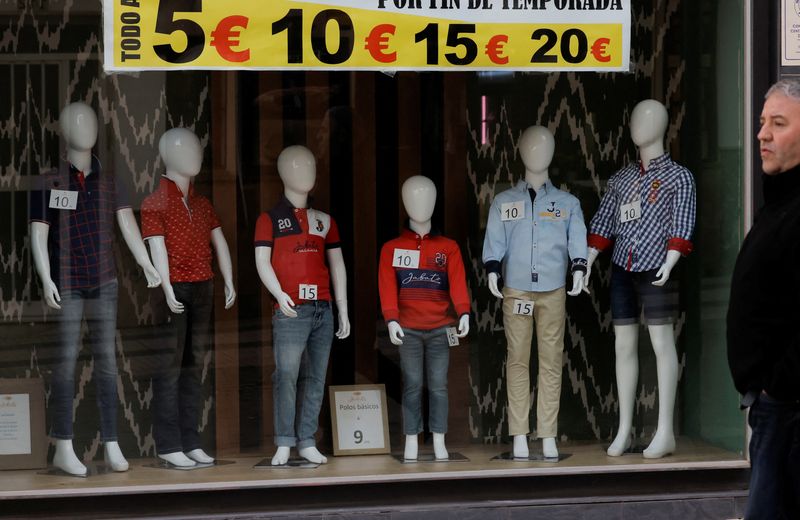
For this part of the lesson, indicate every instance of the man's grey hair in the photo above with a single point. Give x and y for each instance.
(789, 87)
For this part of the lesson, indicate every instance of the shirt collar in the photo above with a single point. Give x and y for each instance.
(523, 186)
(413, 235)
(658, 162)
(96, 169)
(287, 204)
(172, 188)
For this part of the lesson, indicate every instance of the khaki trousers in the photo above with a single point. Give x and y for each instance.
(549, 314)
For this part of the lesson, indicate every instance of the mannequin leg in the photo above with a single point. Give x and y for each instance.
(65, 458)
(199, 456)
(627, 362)
(177, 459)
(549, 448)
(113, 456)
(519, 334)
(439, 448)
(549, 314)
(411, 449)
(437, 360)
(520, 448)
(411, 365)
(663, 339)
(281, 456)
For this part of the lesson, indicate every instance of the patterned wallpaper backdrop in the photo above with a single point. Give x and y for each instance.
(50, 56)
(588, 114)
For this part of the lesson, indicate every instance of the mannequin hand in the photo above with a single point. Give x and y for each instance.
(663, 273)
(463, 326)
(51, 296)
(592, 256)
(151, 274)
(286, 305)
(493, 285)
(344, 323)
(577, 283)
(395, 333)
(230, 295)
(172, 302)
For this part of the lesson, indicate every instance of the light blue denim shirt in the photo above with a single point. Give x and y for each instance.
(531, 244)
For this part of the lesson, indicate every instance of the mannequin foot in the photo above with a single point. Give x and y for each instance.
(178, 459)
(621, 444)
(521, 447)
(66, 460)
(439, 449)
(312, 454)
(200, 456)
(549, 448)
(412, 447)
(113, 456)
(281, 456)
(663, 444)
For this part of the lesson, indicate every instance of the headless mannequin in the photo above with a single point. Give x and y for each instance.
(419, 199)
(648, 124)
(78, 126)
(297, 170)
(183, 156)
(536, 148)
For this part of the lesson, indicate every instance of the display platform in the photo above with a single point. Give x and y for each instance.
(586, 459)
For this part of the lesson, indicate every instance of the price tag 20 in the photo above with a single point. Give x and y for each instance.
(629, 212)
(406, 259)
(63, 199)
(512, 211)
(523, 307)
(308, 292)
(452, 336)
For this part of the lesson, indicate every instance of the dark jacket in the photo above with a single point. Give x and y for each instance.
(764, 308)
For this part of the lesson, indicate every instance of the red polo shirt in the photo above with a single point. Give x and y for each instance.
(419, 297)
(186, 228)
(299, 238)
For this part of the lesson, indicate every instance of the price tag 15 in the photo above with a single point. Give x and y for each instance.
(523, 307)
(308, 292)
(452, 336)
(629, 212)
(406, 259)
(62, 199)
(512, 211)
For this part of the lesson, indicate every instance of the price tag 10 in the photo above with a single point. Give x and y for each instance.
(523, 307)
(452, 336)
(308, 292)
(512, 211)
(405, 258)
(629, 212)
(62, 199)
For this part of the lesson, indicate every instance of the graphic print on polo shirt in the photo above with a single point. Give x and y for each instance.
(429, 282)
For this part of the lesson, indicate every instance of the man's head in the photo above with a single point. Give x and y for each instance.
(779, 137)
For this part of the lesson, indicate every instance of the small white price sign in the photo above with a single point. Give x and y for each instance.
(523, 307)
(512, 211)
(452, 336)
(629, 212)
(308, 292)
(406, 259)
(63, 199)
(360, 420)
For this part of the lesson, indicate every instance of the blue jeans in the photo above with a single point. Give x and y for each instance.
(98, 306)
(302, 346)
(774, 460)
(430, 347)
(177, 388)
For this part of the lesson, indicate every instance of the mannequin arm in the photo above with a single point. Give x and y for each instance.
(463, 326)
(493, 285)
(339, 278)
(592, 256)
(663, 273)
(133, 238)
(270, 281)
(577, 283)
(395, 333)
(39, 232)
(158, 251)
(225, 265)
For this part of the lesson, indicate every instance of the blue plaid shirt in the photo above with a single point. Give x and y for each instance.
(667, 194)
(533, 246)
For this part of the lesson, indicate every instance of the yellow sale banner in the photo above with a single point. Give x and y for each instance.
(532, 35)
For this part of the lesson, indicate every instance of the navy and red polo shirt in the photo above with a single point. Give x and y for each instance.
(299, 239)
(420, 297)
(186, 226)
(80, 240)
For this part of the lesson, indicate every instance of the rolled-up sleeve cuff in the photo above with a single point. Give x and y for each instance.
(492, 266)
(684, 247)
(578, 265)
(599, 242)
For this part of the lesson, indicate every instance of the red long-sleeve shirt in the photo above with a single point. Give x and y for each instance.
(419, 297)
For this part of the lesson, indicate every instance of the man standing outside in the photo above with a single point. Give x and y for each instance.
(764, 314)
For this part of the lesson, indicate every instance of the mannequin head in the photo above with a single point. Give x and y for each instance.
(78, 125)
(297, 169)
(536, 147)
(648, 123)
(181, 151)
(419, 198)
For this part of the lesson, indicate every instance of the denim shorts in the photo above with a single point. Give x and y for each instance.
(633, 294)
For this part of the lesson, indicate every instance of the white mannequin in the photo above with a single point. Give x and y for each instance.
(419, 199)
(536, 148)
(298, 172)
(648, 124)
(183, 157)
(78, 125)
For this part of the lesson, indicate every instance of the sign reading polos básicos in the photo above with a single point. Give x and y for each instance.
(533, 35)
